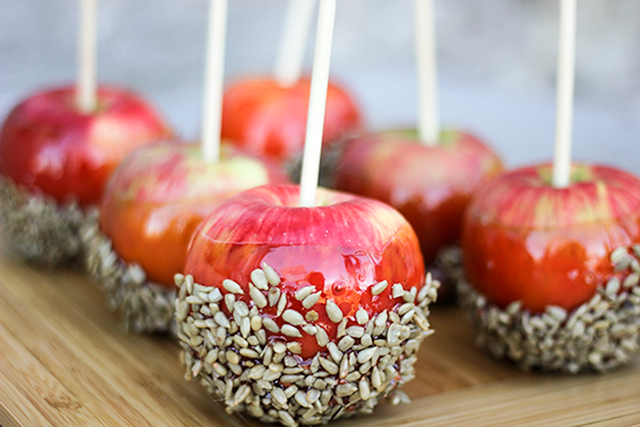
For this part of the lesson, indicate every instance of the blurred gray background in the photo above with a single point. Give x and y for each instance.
(497, 62)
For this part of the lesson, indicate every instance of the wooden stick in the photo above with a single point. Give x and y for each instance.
(425, 44)
(293, 43)
(565, 87)
(214, 80)
(317, 104)
(87, 86)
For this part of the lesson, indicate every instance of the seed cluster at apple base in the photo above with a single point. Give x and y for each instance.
(238, 358)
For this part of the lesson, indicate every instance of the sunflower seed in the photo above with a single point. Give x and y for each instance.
(304, 292)
(379, 287)
(286, 419)
(256, 323)
(301, 398)
(397, 290)
(282, 304)
(270, 274)
(278, 396)
(333, 311)
(321, 337)
(259, 279)
(222, 320)
(362, 316)
(311, 300)
(229, 300)
(329, 366)
(232, 286)
(312, 395)
(335, 353)
(346, 389)
(257, 296)
(279, 347)
(293, 317)
(311, 316)
(294, 347)
(355, 331)
(193, 300)
(310, 329)
(290, 331)
(270, 375)
(346, 343)
(271, 325)
(215, 296)
(366, 354)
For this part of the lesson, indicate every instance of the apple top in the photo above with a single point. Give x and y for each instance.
(171, 172)
(525, 198)
(48, 144)
(338, 219)
(268, 119)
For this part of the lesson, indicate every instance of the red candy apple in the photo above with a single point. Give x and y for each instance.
(48, 145)
(268, 119)
(526, 240)
(553, 273)
(334, 293)
(429, 185)
(161, 193)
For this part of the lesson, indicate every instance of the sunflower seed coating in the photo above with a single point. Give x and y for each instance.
(599, 335)
(40, 230)
(147, 307)
(267, 377)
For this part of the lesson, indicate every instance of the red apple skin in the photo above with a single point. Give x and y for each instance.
(525, 240)
(343, 246)
(429, 185)
(267, 119)
(48, 145)
(161, 193)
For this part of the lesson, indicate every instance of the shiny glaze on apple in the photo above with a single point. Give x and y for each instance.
(161, 193)
(525, 240)
(429, 185)
(48, 145)
(343, 246)
(267, 119)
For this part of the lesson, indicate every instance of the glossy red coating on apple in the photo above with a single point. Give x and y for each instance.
(161, 193)
(429, 185)
(267, 119)
(342, 247)
(47, 144)
(526, 240)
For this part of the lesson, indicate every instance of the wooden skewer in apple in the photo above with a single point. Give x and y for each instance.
(160, 194)
(429, 175)
(267, 115)
(57, 150)
(305, 278)
(551, 253)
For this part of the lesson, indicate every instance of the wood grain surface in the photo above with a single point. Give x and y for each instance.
(66, 361)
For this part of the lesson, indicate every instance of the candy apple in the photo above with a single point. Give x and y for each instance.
(48, 145)
(152, 206)
(563, 256)
(429, 185)
(53, 157)
(268, 119)
(336, 290)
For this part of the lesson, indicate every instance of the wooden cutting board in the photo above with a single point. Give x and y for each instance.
(65, 361)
